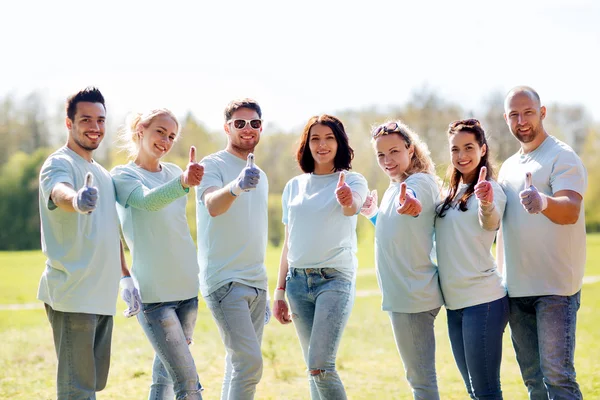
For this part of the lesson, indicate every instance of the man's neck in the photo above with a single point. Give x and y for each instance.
(83, 153)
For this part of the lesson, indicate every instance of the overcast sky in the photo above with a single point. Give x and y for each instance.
(299, 58)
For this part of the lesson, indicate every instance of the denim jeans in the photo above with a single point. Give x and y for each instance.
(476, 337)
(321, 300)
(82, 343)
(415, 340)
(169, 327)
(543, 335)
(239, 311)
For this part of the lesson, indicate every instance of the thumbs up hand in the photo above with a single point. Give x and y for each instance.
(408, 203)
(369, 208)
(343, 193)
(532, 201)
(192, 176)
(247, 179)
(483, 189)
(84, 201)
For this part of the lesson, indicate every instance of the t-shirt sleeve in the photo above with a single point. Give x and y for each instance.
(499, 197)
(358, 184)
(423, 187)
(54, 171)
(284, 202)
(568, 173)
(125, 183)
(212, 178)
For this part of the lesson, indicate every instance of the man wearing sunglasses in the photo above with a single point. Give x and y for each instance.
(232, 237)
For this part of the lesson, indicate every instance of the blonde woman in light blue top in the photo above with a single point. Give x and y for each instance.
(151, 196)
(465, 228)
(318, 262)
(407, 275)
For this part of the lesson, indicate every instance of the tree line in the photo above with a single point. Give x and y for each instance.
(29, 133)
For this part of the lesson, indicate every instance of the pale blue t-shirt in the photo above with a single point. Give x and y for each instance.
(541, 257)
(232, 246)
(163, 253)
(407, 275)
(83, 263)
(467, 267)
(319, 234)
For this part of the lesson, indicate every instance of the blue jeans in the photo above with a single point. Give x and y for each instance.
(239, 311)
(82, 343)
(169, 327)
(321, 300)
(476, 337)
(415, 339)
(543, 335)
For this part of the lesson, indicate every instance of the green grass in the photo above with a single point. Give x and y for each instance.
(368, 361)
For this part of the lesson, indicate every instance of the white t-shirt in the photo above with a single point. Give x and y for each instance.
(319, 234)
(163, 252)
(83, 265)
(232, 246)
(541, 257)
(467, 267)
(404, 248)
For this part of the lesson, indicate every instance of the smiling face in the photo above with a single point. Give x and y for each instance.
(156, 140)
(86, 130)
(243, 141)
(323, 147)
(393, 155)
(466, 154)
(524, 116)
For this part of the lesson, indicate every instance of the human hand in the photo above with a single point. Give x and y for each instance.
(192, 176)
(532, 201)
(369, 207)
(409, 205)
(483, 189)
(248, 178)
(84, 201)
(131, 296)
(280, 307)
(343, 193)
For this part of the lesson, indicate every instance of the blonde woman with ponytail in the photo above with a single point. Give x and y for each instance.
(151, 202)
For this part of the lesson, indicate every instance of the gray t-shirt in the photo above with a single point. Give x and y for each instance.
(232, 246)
(541, 257)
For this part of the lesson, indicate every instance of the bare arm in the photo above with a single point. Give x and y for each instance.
(283, 262)
(62, 196)
(217, 200)
(489, 217)
(563, 208)
(124, 269)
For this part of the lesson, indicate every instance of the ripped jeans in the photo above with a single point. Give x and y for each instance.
(170, 326)
(321, 300)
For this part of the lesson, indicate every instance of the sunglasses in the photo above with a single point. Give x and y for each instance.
(390, 127)
(241, 123)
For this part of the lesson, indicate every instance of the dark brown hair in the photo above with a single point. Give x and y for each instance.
(454, 176)
(235, 105)
(89, 94)
(343, 156)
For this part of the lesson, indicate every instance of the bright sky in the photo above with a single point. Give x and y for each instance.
(299, 58)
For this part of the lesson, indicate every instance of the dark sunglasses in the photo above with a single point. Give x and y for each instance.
(241, 123)
(390, 127)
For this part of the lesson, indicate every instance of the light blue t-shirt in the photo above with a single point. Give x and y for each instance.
(407, 275)
(319, 234)
(467, 267)
(83, 263)
(232, 246)
(163, 252)
(541, 257)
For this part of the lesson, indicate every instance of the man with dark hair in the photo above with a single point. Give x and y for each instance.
(232, 238)
(80, 238)
(542, 244)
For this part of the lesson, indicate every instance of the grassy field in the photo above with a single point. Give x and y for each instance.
(368, 361)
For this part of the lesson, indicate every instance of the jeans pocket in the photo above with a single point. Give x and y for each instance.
(150, 307)
(332, 273)
(222, 292)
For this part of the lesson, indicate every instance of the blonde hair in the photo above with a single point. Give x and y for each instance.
(128, 137)
(421, 159)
